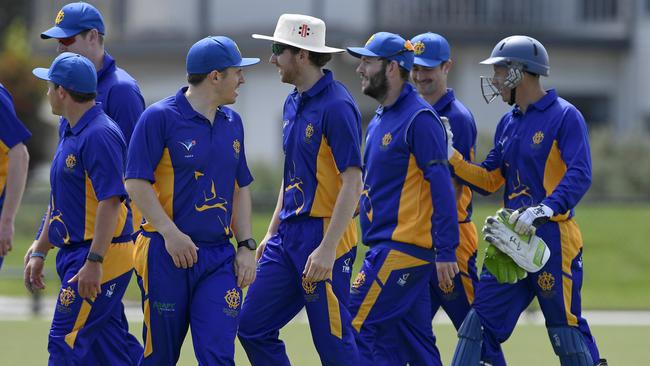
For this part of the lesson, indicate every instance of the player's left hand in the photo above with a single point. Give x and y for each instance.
(446, 272)
(527, 220)
(450, 137)
(6, 237)
(319, 264)
(89, 280)
(245, 267)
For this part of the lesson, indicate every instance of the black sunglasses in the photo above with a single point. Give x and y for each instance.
(278, 48)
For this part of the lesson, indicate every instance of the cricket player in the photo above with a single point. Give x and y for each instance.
(187, 171)
(79, 28)
(88, 220)
(306, 257)
(541, 155)
(408, 210)
(14, 162)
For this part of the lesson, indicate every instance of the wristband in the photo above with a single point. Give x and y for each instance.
(37, 255)
(94, 257)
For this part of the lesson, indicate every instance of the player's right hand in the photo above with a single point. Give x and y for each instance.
(33, 275)
(181, 248)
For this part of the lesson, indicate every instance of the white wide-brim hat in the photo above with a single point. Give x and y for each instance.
(301, 31)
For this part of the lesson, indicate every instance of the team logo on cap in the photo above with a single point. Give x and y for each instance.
(304, 30)
(418, 48)
(70, 161)
(538, 137)
(59, 17)
(369, 40)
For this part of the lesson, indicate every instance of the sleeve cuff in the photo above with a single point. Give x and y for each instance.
(446, 255)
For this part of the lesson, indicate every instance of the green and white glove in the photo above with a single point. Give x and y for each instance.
(530, 252)
(503, 267)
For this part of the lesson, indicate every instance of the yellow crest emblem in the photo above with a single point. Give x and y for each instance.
(67, 296)
(369, 40)
(386, 139)
(418, 48)
(236, 145)
(309, 131)
(308, 286)
(546, 281)
(446, 288)
(538, 137)
(233, 298)
(59, 17)
(70, 161)
(409, 46)
(360, 280)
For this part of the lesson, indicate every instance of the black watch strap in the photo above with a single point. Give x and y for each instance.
(94, 257)
(248, 243)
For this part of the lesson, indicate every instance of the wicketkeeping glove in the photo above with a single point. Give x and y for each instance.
(526, 220)
(503, 267)
(530, 252)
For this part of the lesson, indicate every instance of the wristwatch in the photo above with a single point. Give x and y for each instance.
(248, 243)
(94, 257)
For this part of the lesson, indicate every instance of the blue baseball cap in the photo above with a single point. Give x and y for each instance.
(73, 19)
(71, 71)
(215, 53)
(389, 46)
(431, 49)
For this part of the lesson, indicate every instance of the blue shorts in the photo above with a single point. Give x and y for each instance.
(279, 293)
(390, 295)
(91, 331)
(204, 296)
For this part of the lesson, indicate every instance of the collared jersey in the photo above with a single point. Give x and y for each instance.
(88, 167)
(194, 165)
(464, 129)
(542, 156)
(12, 132)
(119, 96)
(408, 196)
(321, 139)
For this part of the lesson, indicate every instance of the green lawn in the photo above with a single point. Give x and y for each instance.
(528, 345)
(615, 236)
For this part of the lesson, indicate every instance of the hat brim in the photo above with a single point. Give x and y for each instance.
(41, 73)
(359, 52)
(248, 61)
(58, 32)
(426, 62)
(493, 61)
(324, 49)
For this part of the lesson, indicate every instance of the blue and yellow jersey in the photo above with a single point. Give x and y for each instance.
(321, 139)
(194, 165)
(12, 132)
(408, 196)
(464, 129)
(88, 167)
(542, 156)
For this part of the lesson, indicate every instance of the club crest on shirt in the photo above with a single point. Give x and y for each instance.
(538, 137)
(386, 140)
(309, 132)
(236, 146)
(70, 161)
(233, 300)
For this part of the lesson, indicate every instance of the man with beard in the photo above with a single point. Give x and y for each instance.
(306, 257)
(409, 217)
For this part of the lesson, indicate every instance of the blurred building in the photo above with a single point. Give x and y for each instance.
(598, 49)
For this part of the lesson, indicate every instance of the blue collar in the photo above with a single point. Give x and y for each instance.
(188, 112)
(444, 100)
(320, 85)
(85, 119)
(407, 89)
(543, 102)
(108, 66)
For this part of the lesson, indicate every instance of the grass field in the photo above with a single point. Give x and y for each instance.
(615, 237)
(529, 345)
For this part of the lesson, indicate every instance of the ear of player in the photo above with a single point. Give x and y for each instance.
(529, 252)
